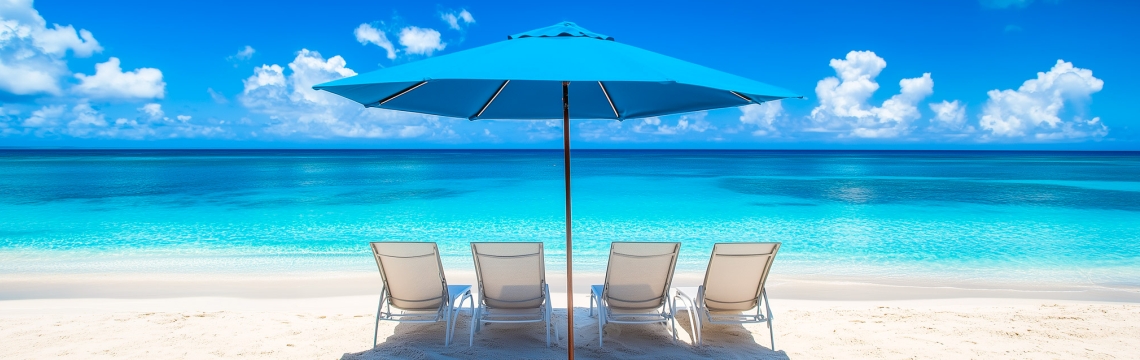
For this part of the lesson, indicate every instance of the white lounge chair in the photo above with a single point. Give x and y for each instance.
(733, 287)
(512, 285)
(415, 286)
(637, 286)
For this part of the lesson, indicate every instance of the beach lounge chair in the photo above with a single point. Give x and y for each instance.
(512, 285)
(637, 286)
(733, 287)
(414, 285)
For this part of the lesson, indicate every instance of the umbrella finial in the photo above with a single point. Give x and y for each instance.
(565, 28)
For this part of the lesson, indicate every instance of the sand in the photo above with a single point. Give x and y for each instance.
(813, 319)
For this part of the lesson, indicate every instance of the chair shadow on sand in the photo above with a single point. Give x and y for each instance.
(509, 341)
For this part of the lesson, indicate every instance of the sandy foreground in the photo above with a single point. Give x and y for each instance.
(812, 320)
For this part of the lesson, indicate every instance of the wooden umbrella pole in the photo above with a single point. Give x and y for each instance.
(569, 243)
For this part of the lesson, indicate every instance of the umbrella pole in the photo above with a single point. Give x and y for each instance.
(569, 243)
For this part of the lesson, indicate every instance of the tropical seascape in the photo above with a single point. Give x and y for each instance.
(269, 247)
(989, 219)
(625, 180)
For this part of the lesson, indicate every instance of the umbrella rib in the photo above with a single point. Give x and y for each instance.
(607, 93)
(410, 88)
(741, 96)
(491, 100)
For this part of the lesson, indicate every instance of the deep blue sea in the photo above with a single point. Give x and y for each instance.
(986, 216)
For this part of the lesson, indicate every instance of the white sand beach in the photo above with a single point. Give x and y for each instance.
(813, 319)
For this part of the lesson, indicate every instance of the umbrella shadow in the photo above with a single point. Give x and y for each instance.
(528, 340)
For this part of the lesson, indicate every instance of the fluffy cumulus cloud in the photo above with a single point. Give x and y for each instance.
(843, 99)
(285, 95)
(111, 82)
(1035, 109)
(949, 115)
(367, 34)
(414, 40)
(32, 54)
(456, 21)
(421, 41)
(45, 117)
(763, 117)
(152, 110)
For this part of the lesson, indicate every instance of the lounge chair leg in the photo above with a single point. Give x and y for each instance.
(697, 327)
(453, 318)
(772, 334)
(768, 309)
(673, 320)
(550, 315)
(376, 332)
(601, 325)
(591, 305)
(447, 325)
(471, 329)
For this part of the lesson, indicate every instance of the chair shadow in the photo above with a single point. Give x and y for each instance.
(625, 341)
(493, 341)
(629, 341)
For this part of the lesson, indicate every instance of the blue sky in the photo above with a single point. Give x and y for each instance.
(990, 74)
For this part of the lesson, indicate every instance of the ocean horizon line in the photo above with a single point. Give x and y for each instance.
(17, 149)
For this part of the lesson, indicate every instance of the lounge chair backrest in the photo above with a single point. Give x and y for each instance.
(412, 273)
(736, 274)
(511, 274)
(639, 274)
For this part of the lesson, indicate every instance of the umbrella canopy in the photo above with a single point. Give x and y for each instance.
(521, 78)
(533, 75)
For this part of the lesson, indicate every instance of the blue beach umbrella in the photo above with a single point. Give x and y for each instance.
(557, 72)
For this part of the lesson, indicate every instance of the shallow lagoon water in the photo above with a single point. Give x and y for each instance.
(1036, 217)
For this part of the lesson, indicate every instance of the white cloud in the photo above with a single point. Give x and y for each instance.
(1034, 109)
(45, 117)
(763, 116)
(110, 82)
(948, 115)
(453, 19)
(366, 34)
(421, 41)
(217, 96)
(295, 109)
(31, 76)
(31, 54)
(245, 53)
(20, 21)
(59, 39)
(85, 121)
(241, 56)
(152, 110)
(843, 100)
(691, 122)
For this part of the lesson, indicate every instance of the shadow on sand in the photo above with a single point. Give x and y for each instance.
(528, 341)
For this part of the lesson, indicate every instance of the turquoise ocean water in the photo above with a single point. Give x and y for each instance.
(964, 216)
